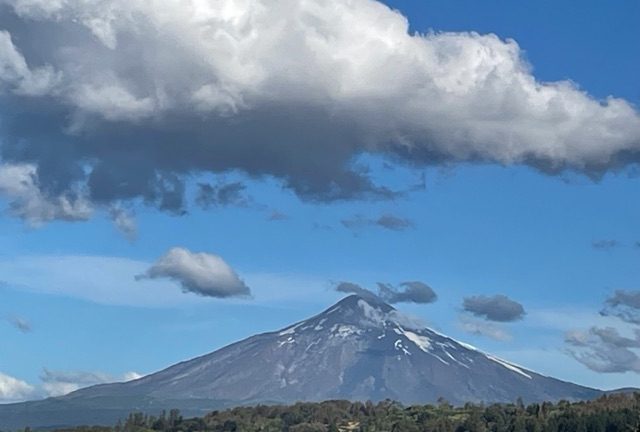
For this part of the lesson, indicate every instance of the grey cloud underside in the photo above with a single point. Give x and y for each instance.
(146, 162)
(498, 308)
(123, 100)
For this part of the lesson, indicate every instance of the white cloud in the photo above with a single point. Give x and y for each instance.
(58, 383)
(15, 73)
(347, 76)
(13, 389)
(201, 273)
(19, 182)
(339, 54)
(131, 376)
(125, 222)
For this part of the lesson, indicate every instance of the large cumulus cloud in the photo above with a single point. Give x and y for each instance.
(122, 99)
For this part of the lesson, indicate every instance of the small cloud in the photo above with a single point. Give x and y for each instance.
(14, 390)
(393, 223)
(386, 221)
(21, 184)
(483, 328)
(624, 305)
(352, 288)
(204, 274)
(498, 308)
(605, 244)
(605, 350)
(58, 383)
(409, 292)
(20, 323)
(277, 216)
(355, 223)
(125, 222)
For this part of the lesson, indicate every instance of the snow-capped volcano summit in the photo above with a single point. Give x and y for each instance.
(359, 349)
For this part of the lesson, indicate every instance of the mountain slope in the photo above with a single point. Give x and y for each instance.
(359, 349)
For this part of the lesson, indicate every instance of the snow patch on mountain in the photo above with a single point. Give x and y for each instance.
(400, 346)
(508, 365)
(291, 330)
(344, 331)
(422, 342)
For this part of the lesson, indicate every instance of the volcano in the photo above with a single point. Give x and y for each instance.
(359, 349)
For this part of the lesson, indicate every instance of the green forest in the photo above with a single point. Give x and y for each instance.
(608, 414)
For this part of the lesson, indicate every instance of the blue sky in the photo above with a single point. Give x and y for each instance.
(475, 229)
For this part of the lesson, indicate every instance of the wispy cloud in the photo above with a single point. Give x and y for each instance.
(605, 349)
(386, 221)
(276, 215)
(125, 222)
(20, 323)
(613, 348)
(605, 244)
(484, 328)
(624, 305)
(58, 383)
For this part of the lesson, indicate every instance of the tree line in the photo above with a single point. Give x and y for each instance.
(611, 413)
